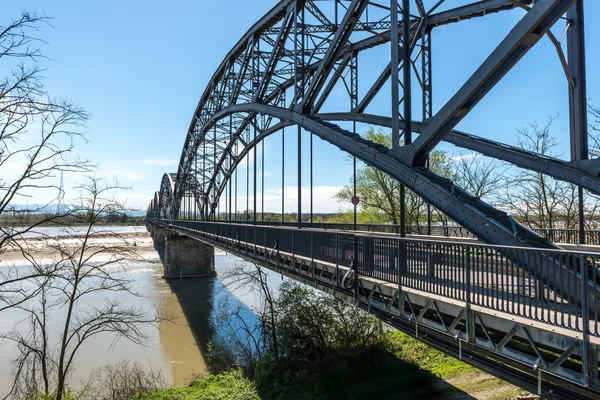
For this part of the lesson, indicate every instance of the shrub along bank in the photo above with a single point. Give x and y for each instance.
(329, 349)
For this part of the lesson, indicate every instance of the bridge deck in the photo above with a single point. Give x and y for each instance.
(461, 297)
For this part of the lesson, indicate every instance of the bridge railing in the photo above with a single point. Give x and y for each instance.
(556, 235)
(538, 284)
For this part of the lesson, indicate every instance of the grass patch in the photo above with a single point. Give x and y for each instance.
(427, 358)
(228, 386)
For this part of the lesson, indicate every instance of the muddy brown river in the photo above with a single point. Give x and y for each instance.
(176, 347)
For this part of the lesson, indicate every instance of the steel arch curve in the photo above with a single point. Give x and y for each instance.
(166, 198)
(226, 77)
(490, 225)
(287, 52)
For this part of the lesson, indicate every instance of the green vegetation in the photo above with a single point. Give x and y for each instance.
(227, 386)
(330, 349)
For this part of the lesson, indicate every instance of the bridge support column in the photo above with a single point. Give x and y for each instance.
(158, 234)
(188, 258)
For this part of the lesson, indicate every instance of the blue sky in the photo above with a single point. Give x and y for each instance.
(140, 67)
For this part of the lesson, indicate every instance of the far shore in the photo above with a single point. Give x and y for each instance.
(44, 248)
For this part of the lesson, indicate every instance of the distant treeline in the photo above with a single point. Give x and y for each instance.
(24, 218)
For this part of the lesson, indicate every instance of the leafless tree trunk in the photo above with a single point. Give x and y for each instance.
(536, 199)
(90, 266)
(37, 135)
(251, 277)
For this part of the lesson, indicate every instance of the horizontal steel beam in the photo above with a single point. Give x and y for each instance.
(553, 167)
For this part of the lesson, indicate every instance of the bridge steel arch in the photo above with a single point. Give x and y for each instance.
(294, 57)
(286, 69)
(273, 68)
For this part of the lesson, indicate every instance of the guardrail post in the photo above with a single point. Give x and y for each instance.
(585, 317)
(312, 258)
(355, 266)
(400, 272)
(337, 265)
(368, 255)
(470, 316)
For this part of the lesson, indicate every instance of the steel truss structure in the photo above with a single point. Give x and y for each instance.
(284, 69)
(288, 71)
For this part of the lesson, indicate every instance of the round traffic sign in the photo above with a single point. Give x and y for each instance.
(355, 200)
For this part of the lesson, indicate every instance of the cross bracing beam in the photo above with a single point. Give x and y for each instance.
(337, 44)
(554, 167)
(526, 33)
(240, 56)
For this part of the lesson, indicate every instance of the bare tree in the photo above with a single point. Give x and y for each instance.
(252, 278)
(37, 135)
(85, 267)
(480, 177)
(125, 380)
(536, 199)
(594, 133)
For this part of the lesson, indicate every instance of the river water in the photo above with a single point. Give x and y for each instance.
(176, 347)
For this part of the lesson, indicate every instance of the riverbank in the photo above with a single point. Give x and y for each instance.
(400, 367)
(320, 347)
(45, 247)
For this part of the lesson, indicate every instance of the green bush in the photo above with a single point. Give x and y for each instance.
(229, 386)
(312, 325)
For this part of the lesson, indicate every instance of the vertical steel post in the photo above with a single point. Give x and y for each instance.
(255, 174)
(236, 184)
(283, 175)
(255, 83)
(395, 61)
(469, 316)
(299, 177)
(406, 99)
(262, 181)
(196, 187)
(247, 212)
(212, 206)
(353, 105)
(311, 177)
(426, 72)
(231, 165)
(204, 188)
(402, 211)
(578, 97)
(406, 69)
(585, 317)
(299, 80)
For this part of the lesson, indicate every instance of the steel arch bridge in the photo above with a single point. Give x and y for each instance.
(294, 61)
(284, 69)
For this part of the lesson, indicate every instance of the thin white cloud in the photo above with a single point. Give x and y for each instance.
(463, 157)
(323, 200)
(159, 163)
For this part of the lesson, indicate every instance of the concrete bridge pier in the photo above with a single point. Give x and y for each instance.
(158, 234)
(187, 258)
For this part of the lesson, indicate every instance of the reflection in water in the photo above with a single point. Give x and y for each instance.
(191, 306)
(176, 347)
(187, 304)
